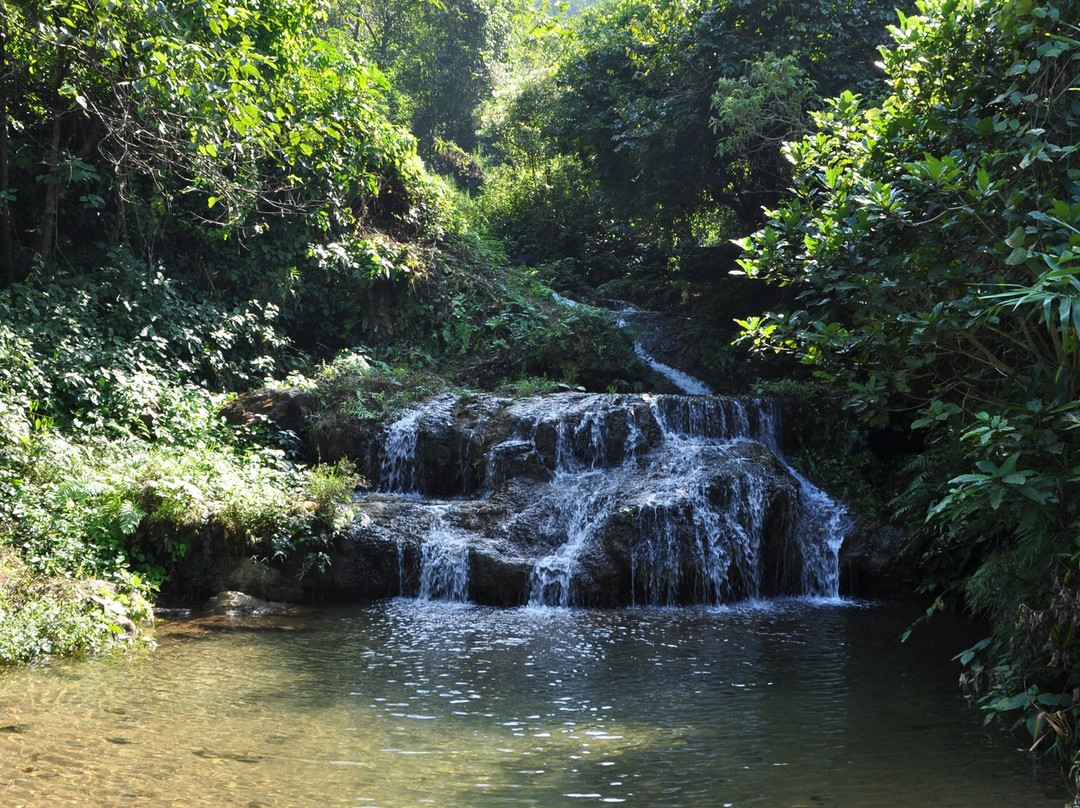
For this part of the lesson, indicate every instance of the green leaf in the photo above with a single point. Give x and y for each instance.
(1010, 464)
(1012, 703)
(1018, 256)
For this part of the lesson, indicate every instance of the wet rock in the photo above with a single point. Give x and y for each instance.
(376, 557)
(172, 612)
(594, 499)
(515, 458)
(872, 562)
(498, 576)
(125, 624)
(642, 517)
(238, 604)
(335, 436)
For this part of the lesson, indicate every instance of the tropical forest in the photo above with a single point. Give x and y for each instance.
(508, 402)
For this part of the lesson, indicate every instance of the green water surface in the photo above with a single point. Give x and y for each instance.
(410, 703)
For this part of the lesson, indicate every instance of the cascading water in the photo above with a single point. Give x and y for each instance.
(398, 466)
(823, 523)
(578, 515)
(683, 381)
(581, 500)
(444, 562)
(649, 500)
(702, 538)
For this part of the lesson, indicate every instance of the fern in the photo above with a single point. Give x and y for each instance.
(128, 517)
(82, 491)
(928, 472)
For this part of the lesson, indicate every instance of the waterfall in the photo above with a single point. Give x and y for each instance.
(583, 500)
(400, 569)
(690, 540)
(822, 526)
(580, 499)
(574, 499)
(729, 541)
(715, 419)
(693, 542)
(444, 562)
(401, 463)
(398, 467)
(682, 381)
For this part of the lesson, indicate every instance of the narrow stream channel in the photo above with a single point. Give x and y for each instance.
(408, 703)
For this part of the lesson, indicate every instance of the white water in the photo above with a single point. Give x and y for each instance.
(691, 492)
(823, 523)
(399, 459)
(688, 384)
(444, 563)
(684, 545)
(398, 466)
(583, 500)
(683, 381)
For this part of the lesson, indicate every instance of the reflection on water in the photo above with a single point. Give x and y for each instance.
(411, 703)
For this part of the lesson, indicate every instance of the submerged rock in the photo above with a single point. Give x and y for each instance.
(259, 579)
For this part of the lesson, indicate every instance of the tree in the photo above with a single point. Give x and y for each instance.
(639, 93)
(932, 245)
(192, 122)
(439, 56)
(756, 113)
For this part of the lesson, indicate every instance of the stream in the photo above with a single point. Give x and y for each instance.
(787, 704)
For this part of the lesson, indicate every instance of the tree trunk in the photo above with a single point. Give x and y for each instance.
(46, 246)
(7, 255)
(52, 194)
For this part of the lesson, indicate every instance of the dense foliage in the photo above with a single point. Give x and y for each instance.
(440, 58)
(172, 128)
(663, 120)
(932, 245)
(628, 144)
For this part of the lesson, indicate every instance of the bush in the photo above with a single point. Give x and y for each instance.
(49, 616)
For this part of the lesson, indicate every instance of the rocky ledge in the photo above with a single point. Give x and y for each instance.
(571, 498)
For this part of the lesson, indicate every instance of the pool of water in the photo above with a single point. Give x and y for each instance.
(411, 703)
